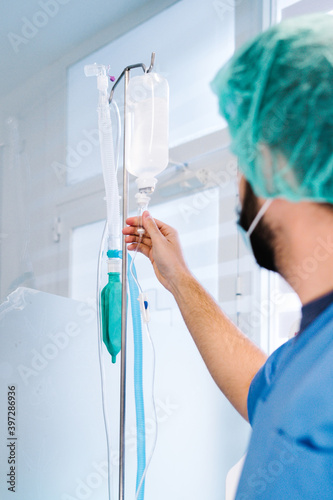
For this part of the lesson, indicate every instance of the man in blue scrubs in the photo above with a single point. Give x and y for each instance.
(277, 96)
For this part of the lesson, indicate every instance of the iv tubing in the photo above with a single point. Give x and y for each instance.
(115, 105)
(141, 483)
(112, 226)
(138, 380)
(155, 415)
(108, 164)
(100, 350)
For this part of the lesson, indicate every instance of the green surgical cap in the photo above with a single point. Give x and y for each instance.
(276, 94)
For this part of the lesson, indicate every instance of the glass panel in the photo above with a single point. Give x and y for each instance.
(280, 310)
(86, 241)
(293, 8)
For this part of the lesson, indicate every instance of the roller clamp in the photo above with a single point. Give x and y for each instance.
(144, 306)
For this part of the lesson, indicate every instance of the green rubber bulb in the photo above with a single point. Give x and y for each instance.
(111, 315)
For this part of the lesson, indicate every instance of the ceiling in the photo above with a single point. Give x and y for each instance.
(36, 33)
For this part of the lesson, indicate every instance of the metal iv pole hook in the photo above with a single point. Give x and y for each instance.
(152, 62)
(139, 65)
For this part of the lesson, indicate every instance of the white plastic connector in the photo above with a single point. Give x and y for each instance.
(114, 265)
(142, 200)
(144, 306)
(94, 69)
(146, 184)
(239, 286)
(100, 71)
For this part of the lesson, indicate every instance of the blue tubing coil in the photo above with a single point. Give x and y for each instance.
(138, 380)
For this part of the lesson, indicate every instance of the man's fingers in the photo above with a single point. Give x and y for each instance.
(133, 230)
(146, 220)
(132, 221)
(163, 228)
(134, 238)
(150, 225)
(144, 249)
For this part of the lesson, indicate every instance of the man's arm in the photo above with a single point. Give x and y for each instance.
(231, 358)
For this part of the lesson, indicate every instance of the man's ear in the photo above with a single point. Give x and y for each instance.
(241, 186)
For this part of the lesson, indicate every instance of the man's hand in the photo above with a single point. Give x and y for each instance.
(161, 245)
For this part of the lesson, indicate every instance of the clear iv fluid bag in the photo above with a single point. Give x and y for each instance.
(147, 126)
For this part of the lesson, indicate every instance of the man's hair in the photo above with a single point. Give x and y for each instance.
(329, 207)
(276, 94)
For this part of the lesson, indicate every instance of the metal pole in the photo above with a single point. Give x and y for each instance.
(123, 317)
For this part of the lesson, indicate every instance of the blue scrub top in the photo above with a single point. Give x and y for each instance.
(290, 407)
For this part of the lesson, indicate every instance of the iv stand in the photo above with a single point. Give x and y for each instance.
(125, 73)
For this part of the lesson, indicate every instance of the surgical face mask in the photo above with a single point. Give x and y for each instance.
(246, 235)
(257, 235)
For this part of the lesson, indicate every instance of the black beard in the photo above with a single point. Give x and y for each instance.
(262, 238)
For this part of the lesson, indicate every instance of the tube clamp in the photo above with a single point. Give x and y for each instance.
(144, 307)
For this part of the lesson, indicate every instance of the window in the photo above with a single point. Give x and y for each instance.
(191, 40)
(293, 8)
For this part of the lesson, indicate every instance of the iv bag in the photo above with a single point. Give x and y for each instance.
(147, 126)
